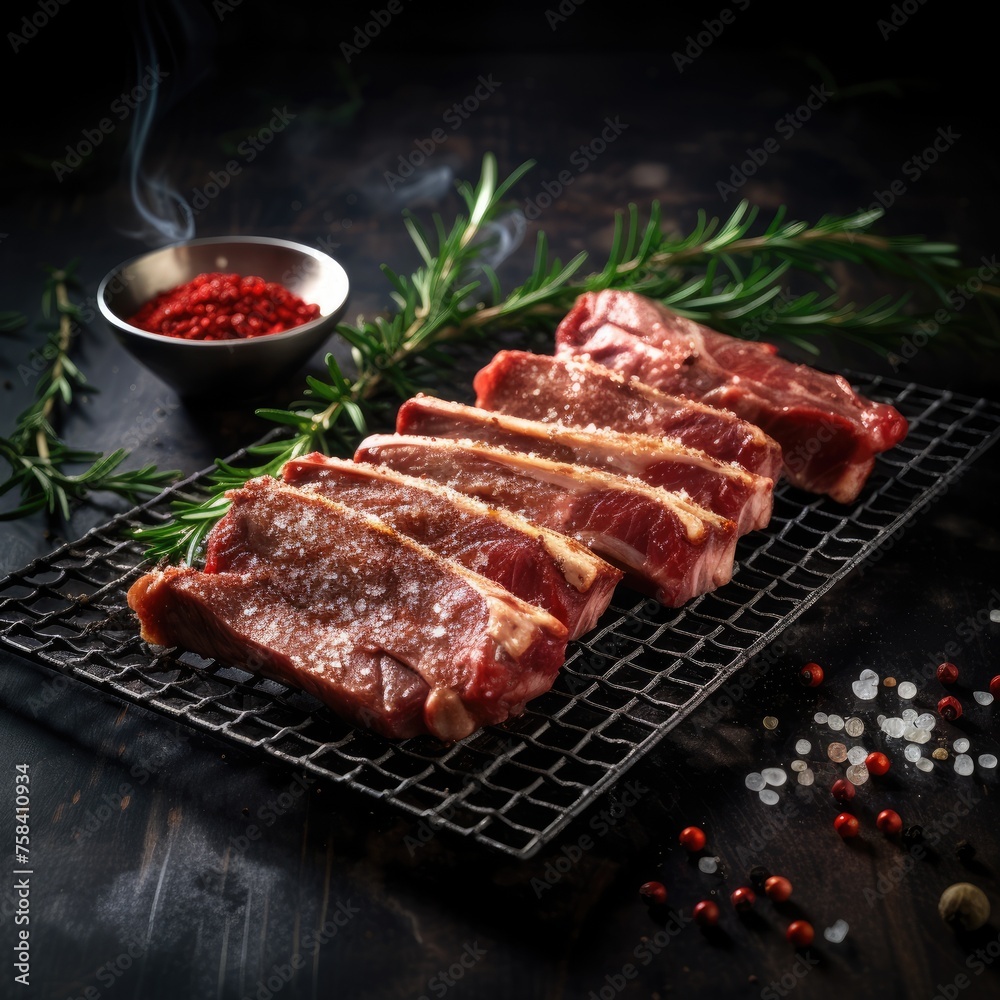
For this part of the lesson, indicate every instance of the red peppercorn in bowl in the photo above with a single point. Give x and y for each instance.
(225, 317)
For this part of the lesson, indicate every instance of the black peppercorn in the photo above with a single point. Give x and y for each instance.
(913, 835)
(964, 851)
(758, 876)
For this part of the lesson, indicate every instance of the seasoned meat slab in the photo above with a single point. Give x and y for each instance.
(828, 433)
(666, 545)
(581, 393)
(718, 486)
(537, 564)
(382, 629)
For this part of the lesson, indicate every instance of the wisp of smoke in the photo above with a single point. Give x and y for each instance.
(165, 215)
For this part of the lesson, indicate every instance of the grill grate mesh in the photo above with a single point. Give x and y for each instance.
(641, 671)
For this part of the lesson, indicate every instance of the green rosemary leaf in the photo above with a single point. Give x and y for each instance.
(732, 273)
(300, 421)
(11, 321)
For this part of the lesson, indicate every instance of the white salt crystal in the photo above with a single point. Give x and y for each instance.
(774, 776)
(857, 774)
(894, 727)
(837, 932)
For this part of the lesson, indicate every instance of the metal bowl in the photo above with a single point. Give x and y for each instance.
(225, 369)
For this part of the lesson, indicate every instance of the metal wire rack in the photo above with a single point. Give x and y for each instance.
(634, 677)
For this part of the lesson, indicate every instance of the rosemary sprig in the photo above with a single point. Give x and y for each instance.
(722, 273)
(737, 282)
(38, 457)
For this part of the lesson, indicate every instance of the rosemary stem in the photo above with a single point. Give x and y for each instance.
(65, 333)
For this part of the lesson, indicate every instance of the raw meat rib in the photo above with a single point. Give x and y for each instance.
(581, 393)
(667, 546)
(334, 595)
(828, 433)
(724, 488)
(537, 564)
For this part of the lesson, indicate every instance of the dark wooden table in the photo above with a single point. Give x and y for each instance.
(167, 862)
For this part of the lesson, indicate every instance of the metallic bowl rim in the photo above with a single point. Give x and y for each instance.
(241, 343)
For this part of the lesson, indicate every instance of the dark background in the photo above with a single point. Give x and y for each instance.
(134, 886)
